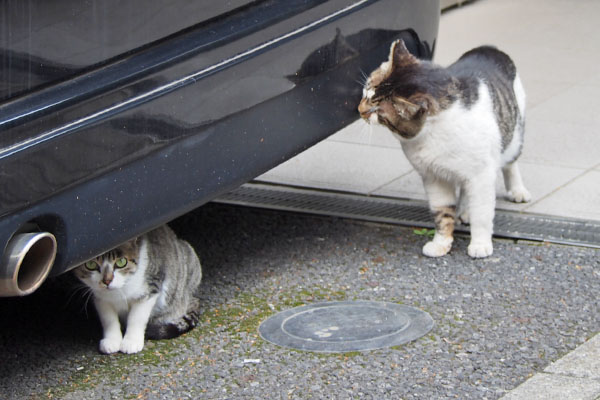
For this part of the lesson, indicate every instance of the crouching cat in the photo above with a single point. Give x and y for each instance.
(457, 126)
(147, 283)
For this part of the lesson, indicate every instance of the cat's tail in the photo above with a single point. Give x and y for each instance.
(173, 329)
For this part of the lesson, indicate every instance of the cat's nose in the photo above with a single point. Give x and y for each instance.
(107, 279)
(364, 108)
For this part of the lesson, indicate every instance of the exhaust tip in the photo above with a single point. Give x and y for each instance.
(27, 261)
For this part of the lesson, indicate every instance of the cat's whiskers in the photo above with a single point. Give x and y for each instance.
(364, 80)
(86, 294)
(366, 132)
(76, 290)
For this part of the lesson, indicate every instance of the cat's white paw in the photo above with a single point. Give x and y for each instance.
(436, 249)
(131, 345)
(519, 195)
(110, 345)
(480, 249)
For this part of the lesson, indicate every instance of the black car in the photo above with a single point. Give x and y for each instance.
(118, 116)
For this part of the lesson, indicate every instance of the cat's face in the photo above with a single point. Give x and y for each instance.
(111, 270)
(390, 96)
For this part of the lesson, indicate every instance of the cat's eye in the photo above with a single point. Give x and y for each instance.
(121, 262)
(91, 265)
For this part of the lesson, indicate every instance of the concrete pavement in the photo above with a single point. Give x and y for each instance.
(553, 43)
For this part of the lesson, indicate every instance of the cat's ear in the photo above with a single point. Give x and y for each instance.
(406, 109)
(131, 246)
(427, 104)
(400, 56)
(136, 242)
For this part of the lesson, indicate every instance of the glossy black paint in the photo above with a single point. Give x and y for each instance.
(144, 137)
(45, 42)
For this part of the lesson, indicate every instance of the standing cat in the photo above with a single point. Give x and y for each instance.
(148, 283)
(457, 126)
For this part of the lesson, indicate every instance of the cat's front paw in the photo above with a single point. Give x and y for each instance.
(436, 249)
(480, 249)
(519, 195)
(110, 345)
(131, 345)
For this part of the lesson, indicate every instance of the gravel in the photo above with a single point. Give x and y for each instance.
(497, 320)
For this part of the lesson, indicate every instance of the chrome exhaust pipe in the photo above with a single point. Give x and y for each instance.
(26, 263)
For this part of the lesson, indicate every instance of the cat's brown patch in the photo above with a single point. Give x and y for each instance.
(444, 220)
(399, 57)
(401, 117)
(379, 75)
(401, 98)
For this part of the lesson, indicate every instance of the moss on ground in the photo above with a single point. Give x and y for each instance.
(239, 319)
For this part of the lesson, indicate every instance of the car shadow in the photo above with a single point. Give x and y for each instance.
(49, 335)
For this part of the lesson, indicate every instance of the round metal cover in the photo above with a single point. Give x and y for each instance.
(344, 326)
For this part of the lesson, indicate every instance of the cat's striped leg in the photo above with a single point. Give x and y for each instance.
(514, 184)
(444, 228)
(481, 197)
(442, 199)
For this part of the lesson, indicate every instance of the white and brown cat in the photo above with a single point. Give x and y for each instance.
(457, 126)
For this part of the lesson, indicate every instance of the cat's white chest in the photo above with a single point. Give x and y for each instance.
(457, 142)
(136, 286)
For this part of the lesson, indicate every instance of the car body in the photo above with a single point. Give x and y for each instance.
(116, 117)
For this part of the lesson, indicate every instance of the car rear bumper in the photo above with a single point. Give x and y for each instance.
(119, 150)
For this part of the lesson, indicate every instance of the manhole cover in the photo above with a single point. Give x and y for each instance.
(342, 326)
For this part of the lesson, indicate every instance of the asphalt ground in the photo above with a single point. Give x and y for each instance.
(497, 321)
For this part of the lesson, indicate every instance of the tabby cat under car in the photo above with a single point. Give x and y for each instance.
(148, 284)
